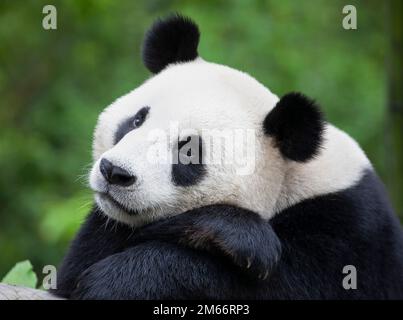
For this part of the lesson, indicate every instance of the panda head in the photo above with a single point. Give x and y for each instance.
(197, 133)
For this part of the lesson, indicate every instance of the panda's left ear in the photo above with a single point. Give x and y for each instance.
(296, 124)
(170, 40)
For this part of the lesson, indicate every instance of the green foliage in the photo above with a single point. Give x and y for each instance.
(62, 218)
(21, 274)
(53, 85)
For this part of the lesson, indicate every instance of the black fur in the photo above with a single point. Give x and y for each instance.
(131, 123)
(96, 240)
(174, 39)
(201, 254)
(230, 232)
(113, 261)
(296, 123)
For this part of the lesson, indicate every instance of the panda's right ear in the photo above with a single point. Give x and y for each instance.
(170, 40)
(296, 124)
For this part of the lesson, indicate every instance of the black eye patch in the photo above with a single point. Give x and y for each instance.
(131, 123)
(190, 168)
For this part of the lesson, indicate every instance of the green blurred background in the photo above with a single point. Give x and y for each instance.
(54, 83)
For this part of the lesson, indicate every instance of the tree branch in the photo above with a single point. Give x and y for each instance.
(8, 292)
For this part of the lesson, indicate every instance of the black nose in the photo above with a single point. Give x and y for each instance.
(116, 175)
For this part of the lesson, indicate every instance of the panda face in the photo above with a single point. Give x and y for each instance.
(194, 101)
(199, 133)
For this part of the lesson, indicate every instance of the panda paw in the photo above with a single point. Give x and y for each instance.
(243, 236)
(256, 254)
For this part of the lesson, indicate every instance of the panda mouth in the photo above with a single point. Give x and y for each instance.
(109, 198)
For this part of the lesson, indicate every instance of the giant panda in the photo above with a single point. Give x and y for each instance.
(311, 205)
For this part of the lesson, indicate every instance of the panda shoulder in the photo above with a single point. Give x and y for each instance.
(339, 165)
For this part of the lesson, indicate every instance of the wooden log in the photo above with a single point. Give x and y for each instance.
(9, 292)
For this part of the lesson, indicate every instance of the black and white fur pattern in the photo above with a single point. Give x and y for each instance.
(312, 205)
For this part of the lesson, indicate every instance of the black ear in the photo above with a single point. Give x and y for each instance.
(297, 125)
(173, 39)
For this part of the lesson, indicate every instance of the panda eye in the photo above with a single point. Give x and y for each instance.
(138, 121)
(140, 117)
(131, 123)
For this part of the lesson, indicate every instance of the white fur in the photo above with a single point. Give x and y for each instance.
(200, 95)
(339, 166)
